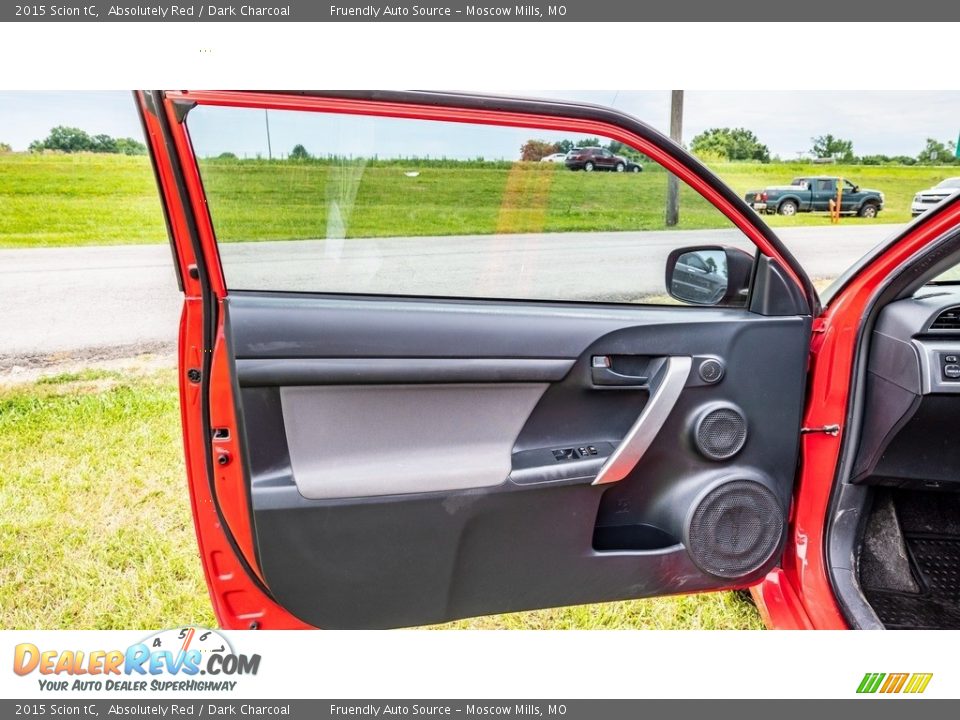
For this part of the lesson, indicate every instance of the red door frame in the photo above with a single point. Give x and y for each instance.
(796, 595)
(800, 594)
(238, 597)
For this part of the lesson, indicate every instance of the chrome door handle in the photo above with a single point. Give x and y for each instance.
(665, 389)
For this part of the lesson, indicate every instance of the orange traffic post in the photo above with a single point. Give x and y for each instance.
(839, 201)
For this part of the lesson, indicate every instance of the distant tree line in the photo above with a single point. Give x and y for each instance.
(934, 152)
(73, 140)
(713, 145)
(740, 144)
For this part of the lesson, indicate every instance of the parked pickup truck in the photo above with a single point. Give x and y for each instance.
(813, 194)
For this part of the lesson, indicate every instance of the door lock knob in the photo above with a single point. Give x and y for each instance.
(710, 371)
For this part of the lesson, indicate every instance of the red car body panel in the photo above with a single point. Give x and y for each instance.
(836, 333)
(780, 607)
(238, 601)
(797, 595)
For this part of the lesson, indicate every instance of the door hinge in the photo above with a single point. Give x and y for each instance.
(818, 332)
(833, 430)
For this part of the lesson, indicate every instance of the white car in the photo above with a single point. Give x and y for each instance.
(926, 199)
(554, 158)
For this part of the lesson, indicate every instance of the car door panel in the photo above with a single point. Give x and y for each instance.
(417, 501)
(385, 461)
(824, 192)
(851, 199)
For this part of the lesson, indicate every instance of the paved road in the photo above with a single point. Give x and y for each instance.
(123, 299)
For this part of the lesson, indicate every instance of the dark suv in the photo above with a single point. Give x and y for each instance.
(594, 158)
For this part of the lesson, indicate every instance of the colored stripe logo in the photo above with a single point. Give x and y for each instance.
(913, 683)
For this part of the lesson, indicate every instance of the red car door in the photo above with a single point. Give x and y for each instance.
(417, 386)
(817, 585)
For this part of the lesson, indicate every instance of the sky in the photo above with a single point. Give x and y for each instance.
(878, 122)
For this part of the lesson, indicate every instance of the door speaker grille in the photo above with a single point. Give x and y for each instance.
(720, 432)
(735, 529)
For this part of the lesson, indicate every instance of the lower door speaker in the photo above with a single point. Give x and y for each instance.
(735, 529)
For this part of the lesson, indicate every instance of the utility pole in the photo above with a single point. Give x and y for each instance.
(676, 134)
(266, 119)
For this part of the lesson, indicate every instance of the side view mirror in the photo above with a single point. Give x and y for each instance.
(709, 275)
(856, 188)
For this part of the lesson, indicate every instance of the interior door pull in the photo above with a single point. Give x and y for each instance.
(665, 389)
(604, 375)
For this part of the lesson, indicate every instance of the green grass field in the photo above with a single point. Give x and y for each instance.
(96, 531)
(57, 200)
(50, 200)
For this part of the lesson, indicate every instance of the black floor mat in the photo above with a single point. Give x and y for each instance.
(936, 562)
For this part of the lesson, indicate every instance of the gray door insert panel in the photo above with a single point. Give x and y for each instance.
(351, 441)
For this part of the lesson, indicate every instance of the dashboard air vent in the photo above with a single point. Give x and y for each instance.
(947, 320)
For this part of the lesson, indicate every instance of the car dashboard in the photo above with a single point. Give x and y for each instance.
(912, 394)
